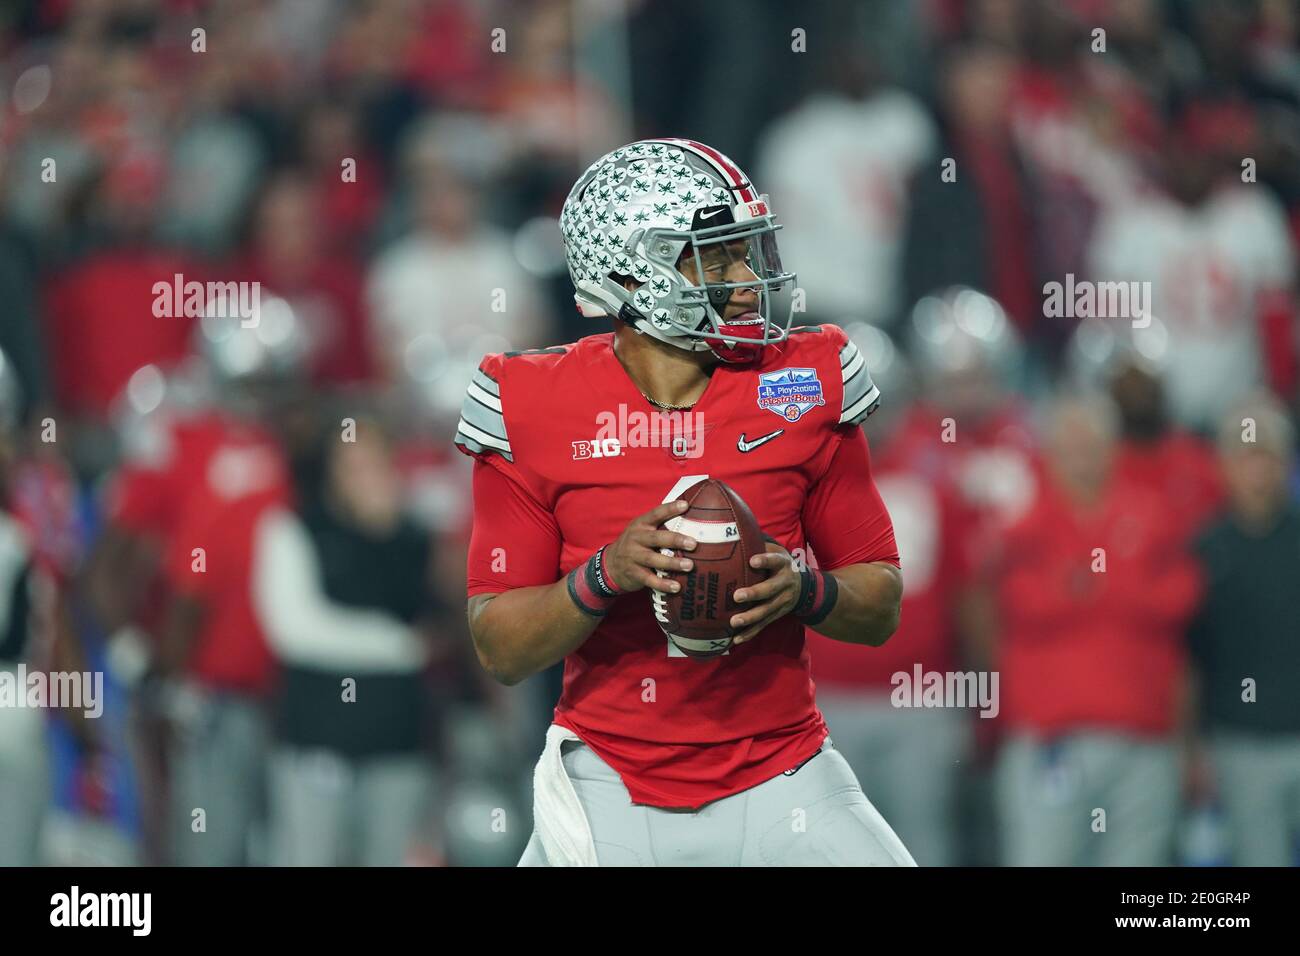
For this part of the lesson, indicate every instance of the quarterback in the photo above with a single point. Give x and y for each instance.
(656, 757)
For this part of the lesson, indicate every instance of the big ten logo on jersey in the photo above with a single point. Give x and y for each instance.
(598, 448)
(679, 432)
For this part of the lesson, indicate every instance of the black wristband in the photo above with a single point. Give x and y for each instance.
(576, 581)
(596, 577)
(818, 593)
(804, 603)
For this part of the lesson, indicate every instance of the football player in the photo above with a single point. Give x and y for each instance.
(183, 509)
(655, 757)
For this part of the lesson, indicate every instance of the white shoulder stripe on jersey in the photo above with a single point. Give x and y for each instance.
(482, 426)
(484, 397)
(852, 367)
(487, 383)
(465, 428)
(477, 440)
(862, 407)
(861, 396)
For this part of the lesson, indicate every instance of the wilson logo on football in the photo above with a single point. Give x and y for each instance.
(597, 448)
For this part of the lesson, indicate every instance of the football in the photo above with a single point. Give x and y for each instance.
(696, 618)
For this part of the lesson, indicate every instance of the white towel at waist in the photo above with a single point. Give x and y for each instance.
(558, 815)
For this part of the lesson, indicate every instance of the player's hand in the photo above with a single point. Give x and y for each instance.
(773, 598)
(632, 560)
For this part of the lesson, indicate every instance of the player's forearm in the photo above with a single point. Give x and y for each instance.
(867, 608)
(525, 630)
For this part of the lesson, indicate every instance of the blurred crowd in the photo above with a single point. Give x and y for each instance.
(257, 533)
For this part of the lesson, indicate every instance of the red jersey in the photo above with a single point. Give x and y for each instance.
(1084, 648)
(243, 476)
(1182, 468)
(569, 451)
(166, 457)
(328, 299)
(101, 312)
(992, 466)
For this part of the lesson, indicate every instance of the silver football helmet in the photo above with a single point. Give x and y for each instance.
(1100, 347)
(959, 331)
(273, 343)
(638, 210)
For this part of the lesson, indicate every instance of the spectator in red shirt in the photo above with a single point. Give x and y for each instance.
(103, 311)
(1153, 450)
(1094, 592)
(346, 175)
(289, 255)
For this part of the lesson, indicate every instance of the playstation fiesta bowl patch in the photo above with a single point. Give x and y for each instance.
(789, 392)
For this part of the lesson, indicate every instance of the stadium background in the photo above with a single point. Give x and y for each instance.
(468, 121)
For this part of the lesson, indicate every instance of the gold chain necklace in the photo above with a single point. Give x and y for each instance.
(667, 407)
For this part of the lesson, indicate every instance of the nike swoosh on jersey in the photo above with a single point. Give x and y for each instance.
(751, 445)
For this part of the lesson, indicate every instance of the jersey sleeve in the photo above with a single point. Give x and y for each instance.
(516, 541)
(861, 396)
(844, 517)
(481, 431)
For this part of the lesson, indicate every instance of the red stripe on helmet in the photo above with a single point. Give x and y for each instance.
(729, 169)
